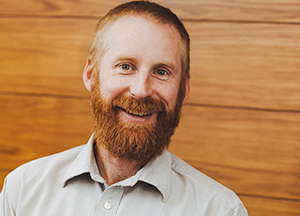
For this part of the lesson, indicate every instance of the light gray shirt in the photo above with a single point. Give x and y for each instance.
(69, 184)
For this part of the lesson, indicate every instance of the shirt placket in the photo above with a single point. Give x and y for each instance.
(110, 201)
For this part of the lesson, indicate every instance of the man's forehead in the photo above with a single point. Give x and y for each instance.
(139, 27)
(147, 20)
(133, 32)
(136, 16)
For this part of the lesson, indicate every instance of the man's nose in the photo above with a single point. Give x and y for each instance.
(141, 86)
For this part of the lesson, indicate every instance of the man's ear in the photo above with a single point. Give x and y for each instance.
(87, 75)
(187, 89)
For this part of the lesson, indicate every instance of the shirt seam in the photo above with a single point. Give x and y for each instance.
(239, 205)
(186, 172)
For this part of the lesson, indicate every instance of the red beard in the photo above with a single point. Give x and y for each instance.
(137, 142)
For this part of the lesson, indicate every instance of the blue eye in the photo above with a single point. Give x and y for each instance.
(126, 67)
(161, 72)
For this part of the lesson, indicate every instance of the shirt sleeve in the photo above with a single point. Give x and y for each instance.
(6, 203)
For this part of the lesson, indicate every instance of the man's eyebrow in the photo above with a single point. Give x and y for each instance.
(167, 64)
(125, 58)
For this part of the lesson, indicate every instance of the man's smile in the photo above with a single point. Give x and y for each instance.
(136, 113)
(136, 117)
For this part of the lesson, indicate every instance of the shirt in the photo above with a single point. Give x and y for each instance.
(69, 184)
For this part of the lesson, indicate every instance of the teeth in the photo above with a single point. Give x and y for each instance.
(137, 114)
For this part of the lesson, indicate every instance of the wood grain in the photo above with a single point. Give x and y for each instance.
(263, 206)
(243, 149)
(47, 60)
(33, 127)
(233, 64)
(243, 65)
(238, 10)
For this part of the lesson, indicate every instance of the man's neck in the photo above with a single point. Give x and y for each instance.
(114, 169)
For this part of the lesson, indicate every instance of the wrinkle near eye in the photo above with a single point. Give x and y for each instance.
(162, 74)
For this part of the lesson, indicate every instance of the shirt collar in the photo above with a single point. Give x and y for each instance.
(85, 162)
(156, 172)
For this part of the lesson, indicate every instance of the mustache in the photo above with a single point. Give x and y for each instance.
(141, 107)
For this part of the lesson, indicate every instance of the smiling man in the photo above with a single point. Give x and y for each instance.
(135, 93)
(138, 76)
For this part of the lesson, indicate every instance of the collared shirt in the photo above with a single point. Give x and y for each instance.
(69, 184)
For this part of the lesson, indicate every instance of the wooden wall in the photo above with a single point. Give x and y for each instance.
(241, 125)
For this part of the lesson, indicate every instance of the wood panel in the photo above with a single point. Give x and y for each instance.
(233, 64)
(254, 65)
(33, 127)
(262, 206)
(238, 10)
(243, 149)
(44, 56)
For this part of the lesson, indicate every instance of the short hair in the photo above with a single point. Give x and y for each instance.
(148, 10)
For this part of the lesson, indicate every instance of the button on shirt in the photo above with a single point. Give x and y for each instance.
(69, 183)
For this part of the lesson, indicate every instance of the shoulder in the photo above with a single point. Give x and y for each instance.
(202, 186)
(44, 163)
(37, 170)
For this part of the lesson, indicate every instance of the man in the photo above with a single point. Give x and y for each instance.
(138, 75)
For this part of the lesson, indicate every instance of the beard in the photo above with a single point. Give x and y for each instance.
(134, 142)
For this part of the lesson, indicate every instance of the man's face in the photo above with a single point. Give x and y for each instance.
(136, 90)
(143, 60)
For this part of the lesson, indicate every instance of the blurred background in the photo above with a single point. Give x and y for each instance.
(240, 126)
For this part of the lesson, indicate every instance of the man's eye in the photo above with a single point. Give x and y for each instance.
(161, 72)
(126, 67)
